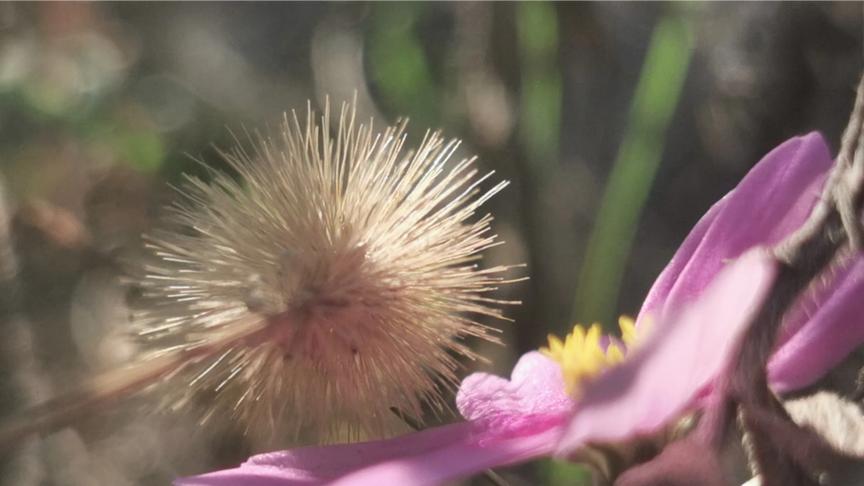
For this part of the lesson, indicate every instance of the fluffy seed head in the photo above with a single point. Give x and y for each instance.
(340, 269)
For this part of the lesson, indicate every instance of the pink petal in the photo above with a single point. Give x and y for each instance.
(250, 476)
(424, 458)
(680, 357)
(772, 200)
(456, 461)
(533, 398)
(511, 421)
(318, 465)
(824, 329)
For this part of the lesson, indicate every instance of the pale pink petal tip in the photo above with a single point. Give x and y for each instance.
(533, 397)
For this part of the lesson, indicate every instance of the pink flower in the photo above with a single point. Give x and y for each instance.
(511, 421)
(699, 307)
(772, 200)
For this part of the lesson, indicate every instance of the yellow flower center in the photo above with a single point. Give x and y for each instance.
(582, 356)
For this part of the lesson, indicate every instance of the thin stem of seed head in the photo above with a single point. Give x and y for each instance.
(50, 416)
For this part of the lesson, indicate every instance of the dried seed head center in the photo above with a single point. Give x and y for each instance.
(357, 259)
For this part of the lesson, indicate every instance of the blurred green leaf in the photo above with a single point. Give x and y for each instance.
(399, 63)
(657, 94)
(143, 150)
(537, 29)
(138, 147)
(560, 473)
(540, 100)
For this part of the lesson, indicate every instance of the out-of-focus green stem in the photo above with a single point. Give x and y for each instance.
(539, 135)
(540, 97)
(556, 472)
(399, 63)
(657, 94)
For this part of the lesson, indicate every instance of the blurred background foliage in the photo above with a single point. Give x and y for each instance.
(618, 123)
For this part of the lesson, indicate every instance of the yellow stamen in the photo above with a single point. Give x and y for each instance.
(628, 330)
(581, 355)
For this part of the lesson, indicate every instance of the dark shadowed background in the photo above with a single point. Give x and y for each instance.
(618, 124)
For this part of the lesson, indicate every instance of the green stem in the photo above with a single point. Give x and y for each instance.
(657, 94)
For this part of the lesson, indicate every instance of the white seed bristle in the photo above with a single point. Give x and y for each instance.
(355, 259)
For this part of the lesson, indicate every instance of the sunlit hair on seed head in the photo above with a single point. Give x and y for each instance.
(340, 268)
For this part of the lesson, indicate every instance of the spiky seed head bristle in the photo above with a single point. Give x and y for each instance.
(354, 260)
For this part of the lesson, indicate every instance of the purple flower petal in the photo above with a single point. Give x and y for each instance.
(318, 465)
(510, 421)
(823, 329)
(534, 398)
(456, 461)
(250, 475)
(680, 357)
(772, 200)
